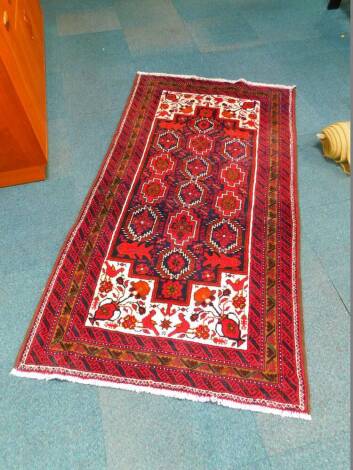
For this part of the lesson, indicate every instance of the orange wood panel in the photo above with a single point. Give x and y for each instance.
(20, 152)
(23, 124)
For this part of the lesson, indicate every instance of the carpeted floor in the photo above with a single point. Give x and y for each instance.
(94, 48)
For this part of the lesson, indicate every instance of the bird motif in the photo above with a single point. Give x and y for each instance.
(172, 125)
(237, 285)
(112, 271)
(220, 261)
(149, 323)
(181, 327)
(134, 250)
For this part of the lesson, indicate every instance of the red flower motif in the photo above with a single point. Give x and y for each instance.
(105, 287)
(248, 105)
(186, 109)
(204, 296)
(140, 289)
(171, 97)
(172, 290)
(239, 302)
(202, 331)
(165, 324)
(120, 281)
(230, 328)
(228, 114)
(105, 311)
(129, 322)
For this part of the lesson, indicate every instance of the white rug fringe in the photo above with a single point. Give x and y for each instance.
(269, 85)
(159, 391)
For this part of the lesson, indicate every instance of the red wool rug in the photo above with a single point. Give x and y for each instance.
(181, 274)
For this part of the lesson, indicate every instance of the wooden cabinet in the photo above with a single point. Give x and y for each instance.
(23, 124)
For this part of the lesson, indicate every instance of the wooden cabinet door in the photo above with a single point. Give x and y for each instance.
(22, 57)
(24, 36)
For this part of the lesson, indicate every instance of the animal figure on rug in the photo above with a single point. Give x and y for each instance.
(134, 250)
(149, 323)
(181, 327)
(220, 261)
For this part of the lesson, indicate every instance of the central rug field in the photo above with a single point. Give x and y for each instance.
(181, 274)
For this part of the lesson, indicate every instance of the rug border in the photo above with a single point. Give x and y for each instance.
(142, 387)
(225, 80)
(298, 278)
(162, 389)
(79, 219)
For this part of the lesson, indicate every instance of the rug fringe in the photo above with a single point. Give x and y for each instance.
(162, 392)
(269, 85)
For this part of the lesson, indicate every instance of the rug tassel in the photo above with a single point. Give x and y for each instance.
(163, 392)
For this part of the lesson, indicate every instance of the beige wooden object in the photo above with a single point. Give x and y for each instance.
(336, 144)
